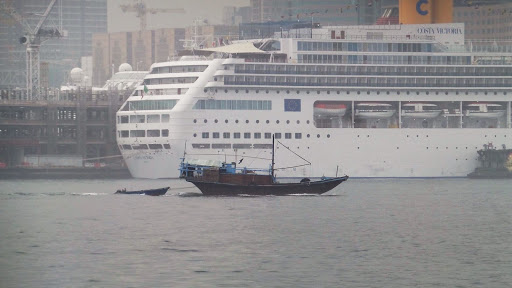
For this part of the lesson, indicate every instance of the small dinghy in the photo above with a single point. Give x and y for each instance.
(150, 192)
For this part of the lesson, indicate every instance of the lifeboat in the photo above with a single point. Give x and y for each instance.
(368, 110)
(329, 108)
(484, 110)
(420, 110)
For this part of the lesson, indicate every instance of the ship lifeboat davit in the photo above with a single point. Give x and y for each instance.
(484, 110)
(374, 110)
(420, 110)
(329, 108)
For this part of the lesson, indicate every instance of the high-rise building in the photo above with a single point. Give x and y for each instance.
(57, 56)
(140, 49)
(325, 12)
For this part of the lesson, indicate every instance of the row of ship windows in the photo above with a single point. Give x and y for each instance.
(372, 70)
(169, 91)
(144, 146)
(149, 105)
(367, 81)
(155, 118)
(172, 80)
(143, 133)
(364, 47)
(367, 92)
(256, 135)
(178, 69)
(384, 59)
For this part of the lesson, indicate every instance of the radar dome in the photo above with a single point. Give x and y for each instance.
(76, 75)
(125, 67)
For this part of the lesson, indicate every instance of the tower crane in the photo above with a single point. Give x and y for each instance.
(141, 10)
(33, 39)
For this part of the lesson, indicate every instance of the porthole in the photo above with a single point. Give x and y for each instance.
(378, 92)
(236, 121)
(328, 92)
(466, 92)
(225, 90)
(317, 135)
(214, 78)
(308, 135)
(307, 92)
(266, 91)
(307, 122)
(437, 93)
(226, 121)
(246, 90)
(457, 93)
(358, 92)
(446, 93)
(338, 92)
(195, 135)
(387, 92)
(348, 92)
(367, 92)
(287, 121)
(427, 93)
(205, 121)
(408, 92)
(277, 92)
(417, 93)
(236, 90)
(485, 93)
(298, 121)
(195, 120)
(298, 92)
(328, 135)
(287, 91)
(317, 92)
(257, 91)
(268, 121)
(246, 121)
(205, 90)
(277, 121)
(257, 121)
(216, 121)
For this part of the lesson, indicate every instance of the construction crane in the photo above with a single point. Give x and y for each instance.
(33, 38)
(141, 10)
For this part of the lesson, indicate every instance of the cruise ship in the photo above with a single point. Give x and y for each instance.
(400, 101)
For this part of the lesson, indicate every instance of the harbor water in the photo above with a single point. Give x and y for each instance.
(365, 233)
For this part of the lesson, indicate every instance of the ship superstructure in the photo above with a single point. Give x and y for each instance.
(374, 101)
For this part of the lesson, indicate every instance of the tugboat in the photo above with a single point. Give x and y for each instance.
(228, 180)
(495, 164)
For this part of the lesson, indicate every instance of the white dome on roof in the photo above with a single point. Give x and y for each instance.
(125, 67)
(76, 75)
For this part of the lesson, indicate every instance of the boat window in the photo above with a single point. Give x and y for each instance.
(124, 119)
(277, 135)
(257, 135)
(137, 118)
(152, 104)
(137, 133)
(247, 135)
(298, 135)
(226, 135)
(127, 147)
(155, 146)
(236, 135)
(242, 146)
(140, 147)
(288, 135)
(205, 135)
(153, 118)
(221, 146)
(215, 135)
(268, 135)
(153, 133)
(262, 146)
(167, 146)
(165, 132)
(201, 146)
(125, 133)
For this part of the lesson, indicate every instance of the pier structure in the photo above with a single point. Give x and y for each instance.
(66, 128)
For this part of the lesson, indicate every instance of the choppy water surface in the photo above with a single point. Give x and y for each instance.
(367, 233)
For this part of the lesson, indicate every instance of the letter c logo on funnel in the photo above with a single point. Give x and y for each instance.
(418, 7)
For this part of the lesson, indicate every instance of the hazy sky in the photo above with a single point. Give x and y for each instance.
(209, 9)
